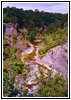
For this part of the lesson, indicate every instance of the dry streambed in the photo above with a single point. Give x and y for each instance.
(56, 57)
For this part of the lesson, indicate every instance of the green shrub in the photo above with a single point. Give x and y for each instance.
(52, 86)
(42, 51)
(25, 93)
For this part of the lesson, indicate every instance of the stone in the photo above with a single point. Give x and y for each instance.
(58, 58)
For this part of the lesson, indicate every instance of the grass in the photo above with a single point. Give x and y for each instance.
(52, 40)
(52, 86)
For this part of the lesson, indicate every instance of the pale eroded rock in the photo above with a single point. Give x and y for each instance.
(58, 58)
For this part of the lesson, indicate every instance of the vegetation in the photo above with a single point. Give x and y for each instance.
(32, 19)
(52, 86)
(51, 29)
(11, 68)
(52, 40)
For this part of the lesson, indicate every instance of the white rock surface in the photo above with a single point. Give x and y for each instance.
(58, 58)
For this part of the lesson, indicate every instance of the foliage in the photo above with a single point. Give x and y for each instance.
(52, 40)
(25, 93)
(52, 86)
(47, 27)
(31, 19)
(42, 51)
(11, 67)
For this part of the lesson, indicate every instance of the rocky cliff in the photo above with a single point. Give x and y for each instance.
(57, 57)
(9, 29)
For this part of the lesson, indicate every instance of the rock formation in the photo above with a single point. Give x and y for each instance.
(58, 58)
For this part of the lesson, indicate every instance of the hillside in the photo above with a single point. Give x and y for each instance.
(34, 19)
(35, 53)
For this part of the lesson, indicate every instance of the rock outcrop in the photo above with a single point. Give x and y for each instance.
(58, 58)
(9, 29)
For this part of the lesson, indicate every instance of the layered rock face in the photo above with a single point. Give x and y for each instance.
(58, 58)
(8, 29)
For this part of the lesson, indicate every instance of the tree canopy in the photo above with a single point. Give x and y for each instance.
(34, 19)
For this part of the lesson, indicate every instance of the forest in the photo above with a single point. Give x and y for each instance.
(34, 19)
(33, 34)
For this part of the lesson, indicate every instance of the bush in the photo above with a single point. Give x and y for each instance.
(42, 51)
(52, 86)
(25, 93)
(11, 68)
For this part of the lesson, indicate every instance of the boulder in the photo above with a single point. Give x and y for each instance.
(57, 57)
